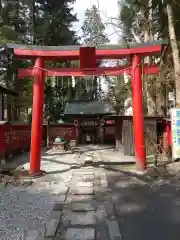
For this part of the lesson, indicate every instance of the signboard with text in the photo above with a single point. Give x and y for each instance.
(175, 131)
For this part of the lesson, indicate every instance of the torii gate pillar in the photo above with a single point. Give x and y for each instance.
(37, 116)
(138, 120)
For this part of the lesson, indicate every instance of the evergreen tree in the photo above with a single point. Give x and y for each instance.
(49, 24)
(93, 34)
(53, 24)
(93, 28)
(148, 20)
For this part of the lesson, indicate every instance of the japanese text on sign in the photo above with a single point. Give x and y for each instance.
(61, 132)
(22, 135)
(175, 126)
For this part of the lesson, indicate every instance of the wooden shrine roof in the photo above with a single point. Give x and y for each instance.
(71, 52)
(88, 108)
(77, 47)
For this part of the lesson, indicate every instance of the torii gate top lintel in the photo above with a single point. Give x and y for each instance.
(107, 51)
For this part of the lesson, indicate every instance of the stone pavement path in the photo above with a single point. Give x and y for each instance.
(87, 212)
(74, 201)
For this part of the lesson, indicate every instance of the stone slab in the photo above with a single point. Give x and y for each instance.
(84, 184)
(110, 211)
(103, 176)
(84, 172)
(59, 198)
(32, 235)
(101, 233)
(113, 229)
(80, 218)
(104, 183)
(82, 207)
(60, 189)
(83, 190)
(48, 238)
(58, 206)
(80, 234)
(55, 214)
(51, 227)
(88, 177)
(101, 215)
(88, 158)
(79, 198)
(85, 178)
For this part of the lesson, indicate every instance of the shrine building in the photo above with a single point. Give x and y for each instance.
(89, 119)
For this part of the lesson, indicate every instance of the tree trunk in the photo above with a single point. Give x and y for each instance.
(150, 82)
(175, 51)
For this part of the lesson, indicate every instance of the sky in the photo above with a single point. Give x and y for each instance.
(108, 10)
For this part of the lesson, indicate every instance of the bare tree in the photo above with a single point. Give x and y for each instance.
(175, 50)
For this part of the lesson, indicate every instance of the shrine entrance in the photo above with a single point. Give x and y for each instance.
(88, 135)
(87, 57)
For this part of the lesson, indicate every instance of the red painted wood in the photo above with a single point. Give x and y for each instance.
(66, 131)
(110, 71)
(100, 54)
(167, 137)
(169, 134)
(87, 57)
(13, 138)
(17, 137)
(109, 133)
(37, 116)
(138, 120)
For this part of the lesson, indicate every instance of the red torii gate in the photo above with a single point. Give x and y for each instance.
(87, 57)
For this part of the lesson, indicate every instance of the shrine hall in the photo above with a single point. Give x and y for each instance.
(88, 116)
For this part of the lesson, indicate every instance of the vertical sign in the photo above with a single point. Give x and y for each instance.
(175, 132)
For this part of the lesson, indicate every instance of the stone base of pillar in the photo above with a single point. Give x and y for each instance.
(73, 143)
(118, 144)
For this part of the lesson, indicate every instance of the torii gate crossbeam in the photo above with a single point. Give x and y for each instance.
(109, 71)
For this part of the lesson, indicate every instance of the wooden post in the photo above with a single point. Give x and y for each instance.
(138, 120)
(37, 116)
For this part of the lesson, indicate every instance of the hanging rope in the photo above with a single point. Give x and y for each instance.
(86, 84)
(62, 82)
(80, 84)
(68, 84)
(54, 79)
(68, 89)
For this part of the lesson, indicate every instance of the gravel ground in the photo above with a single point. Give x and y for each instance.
(23, 209)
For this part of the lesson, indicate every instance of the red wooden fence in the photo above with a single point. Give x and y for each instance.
(109, 133)
(14, 137)
(66, 131)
